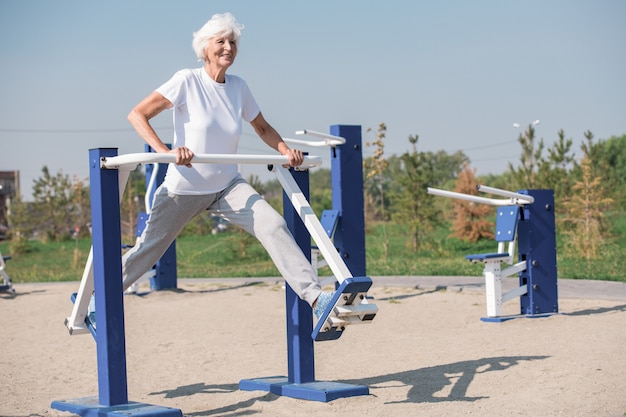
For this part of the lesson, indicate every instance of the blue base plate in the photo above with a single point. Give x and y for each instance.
(519, 316)
(313, 391)
(90, 407)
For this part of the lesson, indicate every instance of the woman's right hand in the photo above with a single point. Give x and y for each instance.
(184, 156)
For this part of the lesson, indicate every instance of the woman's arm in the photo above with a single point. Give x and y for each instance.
(139, 118)
(273, 139)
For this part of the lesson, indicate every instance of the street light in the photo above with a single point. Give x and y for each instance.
(534, 123)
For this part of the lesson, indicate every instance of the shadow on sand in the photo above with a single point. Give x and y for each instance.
(424, 385)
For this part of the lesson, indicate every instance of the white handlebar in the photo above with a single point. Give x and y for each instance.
(328, 140)
(133, 159)
(513, 198)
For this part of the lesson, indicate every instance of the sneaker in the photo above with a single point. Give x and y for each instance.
(91, 311)
(323, 301)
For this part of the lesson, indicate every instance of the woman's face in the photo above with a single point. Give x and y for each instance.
(221, 51)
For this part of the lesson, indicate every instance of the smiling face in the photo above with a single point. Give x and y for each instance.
(220, 52)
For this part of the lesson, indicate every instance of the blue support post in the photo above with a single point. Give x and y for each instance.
(107, 268)
(112, 397)
(537, 246)
(300, 352)
(165, 268)
(347, 196)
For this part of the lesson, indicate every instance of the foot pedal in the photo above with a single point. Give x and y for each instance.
(348, 306)
(90, 321)
(7, 288)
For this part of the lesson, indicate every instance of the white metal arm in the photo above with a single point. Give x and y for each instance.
(523, 198)
(312, 223)
(513, 198)
(327, 140)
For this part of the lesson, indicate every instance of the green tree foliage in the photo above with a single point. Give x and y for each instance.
(525, 175)
(53, 204)
(446, 167)
(320, 189)
(556, 169)
(21, 225)
(412, 206)
(613, 155)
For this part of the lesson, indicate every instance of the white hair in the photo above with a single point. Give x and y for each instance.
(218, 25)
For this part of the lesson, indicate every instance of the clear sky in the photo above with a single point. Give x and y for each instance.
(456, 73)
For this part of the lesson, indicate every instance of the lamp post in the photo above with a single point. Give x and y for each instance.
(534, 123)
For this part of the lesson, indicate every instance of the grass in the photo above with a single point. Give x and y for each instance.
(220, 256)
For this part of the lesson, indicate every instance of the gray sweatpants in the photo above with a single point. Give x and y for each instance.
(240, 204)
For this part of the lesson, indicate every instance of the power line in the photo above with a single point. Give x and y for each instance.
(47, 131)
(475, 148)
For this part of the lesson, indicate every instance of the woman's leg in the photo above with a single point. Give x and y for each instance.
(170, 213)
(243, 206)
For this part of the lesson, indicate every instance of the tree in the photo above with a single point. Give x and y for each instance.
(61, 206)
(612, 153)
(525, 175)
(584, 211)
(470, 223)
(446, 167)
(556, 169)
(375, 167)
(412, 206)
(21, 225)
(52, 197)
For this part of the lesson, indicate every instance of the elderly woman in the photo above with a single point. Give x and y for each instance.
(209, 106)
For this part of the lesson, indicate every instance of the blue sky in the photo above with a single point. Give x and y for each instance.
(456, 73)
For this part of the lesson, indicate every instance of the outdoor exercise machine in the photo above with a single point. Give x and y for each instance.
(524, 221)
(109, 173)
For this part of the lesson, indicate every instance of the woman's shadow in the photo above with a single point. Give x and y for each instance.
(425, 383)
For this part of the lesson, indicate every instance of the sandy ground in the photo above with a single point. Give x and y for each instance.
(426, 354)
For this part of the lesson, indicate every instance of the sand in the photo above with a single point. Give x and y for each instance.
(426, 354)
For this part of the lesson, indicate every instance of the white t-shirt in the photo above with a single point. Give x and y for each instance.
(207, 119)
